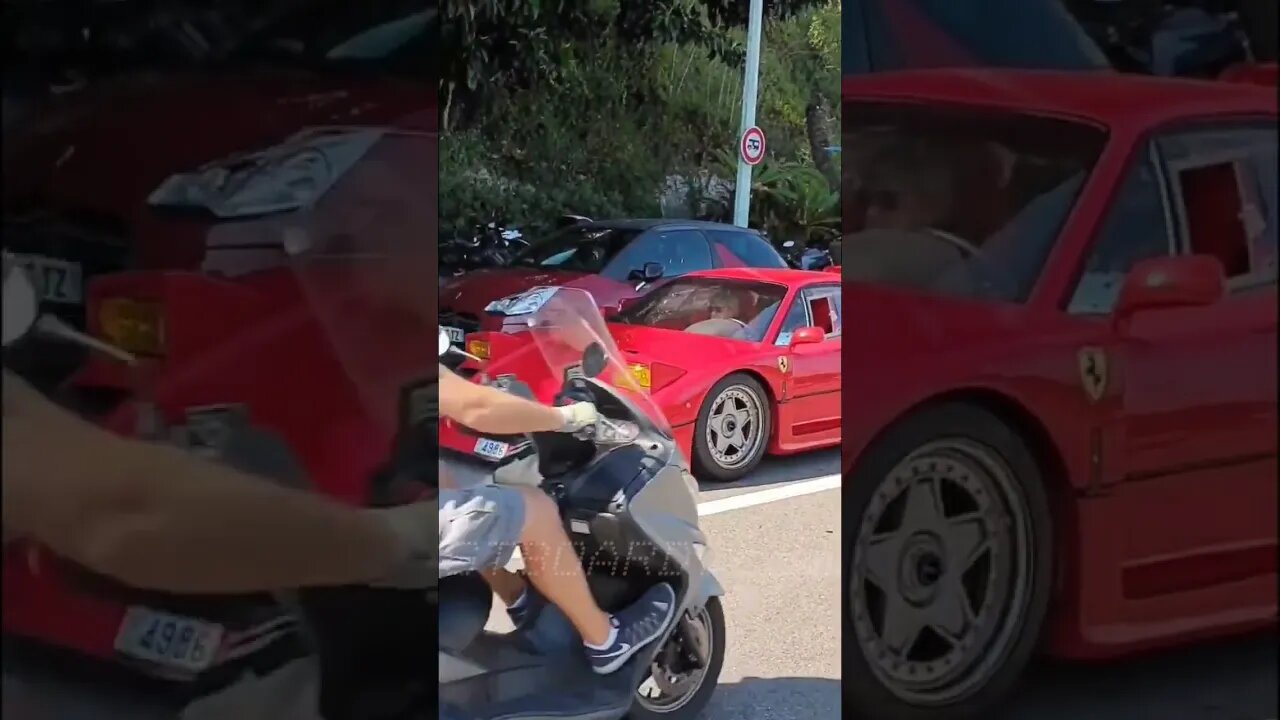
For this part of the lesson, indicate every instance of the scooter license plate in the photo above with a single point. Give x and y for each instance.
(170, 640)
(455, 335)
(492, 449)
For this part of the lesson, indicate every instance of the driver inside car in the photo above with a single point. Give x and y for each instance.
(723, 308)
(481, 526)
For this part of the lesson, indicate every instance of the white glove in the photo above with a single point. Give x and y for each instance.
(577, 416)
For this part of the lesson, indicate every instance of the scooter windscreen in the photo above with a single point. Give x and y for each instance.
(565, 342)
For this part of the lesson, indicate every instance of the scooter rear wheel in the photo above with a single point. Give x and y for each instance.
(691, 693)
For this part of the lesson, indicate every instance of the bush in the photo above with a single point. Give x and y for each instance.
(620, 127)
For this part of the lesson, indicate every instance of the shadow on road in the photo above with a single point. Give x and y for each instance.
(777, 470)
(1226, 681)
(788, 698)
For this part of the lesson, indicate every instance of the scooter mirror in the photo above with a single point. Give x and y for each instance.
(593, 360)
(443, 344)
(21, 307)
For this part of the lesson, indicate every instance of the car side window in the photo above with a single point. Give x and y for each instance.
(1223, 184)
(742, 249)
(797, 317)
(824, 309)
(678, 251)
(1134, 228)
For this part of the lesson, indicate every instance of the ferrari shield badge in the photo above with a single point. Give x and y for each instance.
(1093, 372)
(784, 364)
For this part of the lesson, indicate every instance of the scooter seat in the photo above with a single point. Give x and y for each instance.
(465, 601)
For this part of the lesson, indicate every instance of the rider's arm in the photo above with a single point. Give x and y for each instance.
(489, 410)
(156, 517)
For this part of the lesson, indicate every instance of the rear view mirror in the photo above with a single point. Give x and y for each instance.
(1169, 282)
(593, 360)
(21, 305)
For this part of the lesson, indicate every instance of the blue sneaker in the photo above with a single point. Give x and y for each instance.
(635, 627)
(527, 609)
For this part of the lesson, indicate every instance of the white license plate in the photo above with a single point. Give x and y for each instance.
(492, 449)
(454, 334)
(170, 640)
(58, 281)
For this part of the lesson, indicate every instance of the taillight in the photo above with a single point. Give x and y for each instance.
(652, 377)
(133, 325)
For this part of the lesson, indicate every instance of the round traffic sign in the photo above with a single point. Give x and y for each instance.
(753, 145)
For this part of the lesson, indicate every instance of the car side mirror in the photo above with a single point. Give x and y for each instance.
(1170, 282)
(650, 272)
(808, 336)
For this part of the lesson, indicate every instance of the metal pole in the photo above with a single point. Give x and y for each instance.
(750, 82)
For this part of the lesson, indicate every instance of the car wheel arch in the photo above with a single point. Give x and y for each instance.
(1048, 457)
(770, 397)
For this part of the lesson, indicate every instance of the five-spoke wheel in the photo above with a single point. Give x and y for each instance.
(948, 568)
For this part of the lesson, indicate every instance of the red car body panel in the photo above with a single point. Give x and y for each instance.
(308, 357)
(73, 159)
(1164, 490)
(805, 401)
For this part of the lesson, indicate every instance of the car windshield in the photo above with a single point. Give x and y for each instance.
(736, 309)
(962, 202)
(582, 248)
(382, 33)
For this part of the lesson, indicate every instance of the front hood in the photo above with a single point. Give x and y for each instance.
(108, 147)
(470, 293)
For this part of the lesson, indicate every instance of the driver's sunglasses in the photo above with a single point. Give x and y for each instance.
(886, 200)
(719, 309)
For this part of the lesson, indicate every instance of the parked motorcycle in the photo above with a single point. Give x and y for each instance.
(1168, 38)
(490, 245)
(805, 258)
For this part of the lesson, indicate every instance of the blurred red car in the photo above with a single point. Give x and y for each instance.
(742, 362)
(303, 327)
(1060, 410)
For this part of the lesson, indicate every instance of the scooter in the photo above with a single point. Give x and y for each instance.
(630, 504)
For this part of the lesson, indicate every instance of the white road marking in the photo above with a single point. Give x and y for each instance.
(795, 488)
(792, 489)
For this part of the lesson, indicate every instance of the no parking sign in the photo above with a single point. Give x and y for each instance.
(753, 145)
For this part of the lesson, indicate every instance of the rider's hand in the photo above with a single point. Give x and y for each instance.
(415, 525)
(577, 416)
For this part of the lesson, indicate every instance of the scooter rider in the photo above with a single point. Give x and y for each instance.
(480, 528)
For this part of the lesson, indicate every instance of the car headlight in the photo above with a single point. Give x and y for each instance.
(525, 303)
(282, 178)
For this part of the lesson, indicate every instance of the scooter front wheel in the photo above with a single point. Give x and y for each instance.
(673, 691)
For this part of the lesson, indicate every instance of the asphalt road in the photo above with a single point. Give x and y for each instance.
(779, 562)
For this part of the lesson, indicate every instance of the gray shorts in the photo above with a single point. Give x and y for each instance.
(479, 528)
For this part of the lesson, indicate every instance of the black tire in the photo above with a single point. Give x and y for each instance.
(705, 466)
(693, 708)
(1003, 656)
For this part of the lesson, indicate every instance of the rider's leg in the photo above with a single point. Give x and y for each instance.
(505, 584)
(555, 570)
(479, 529)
